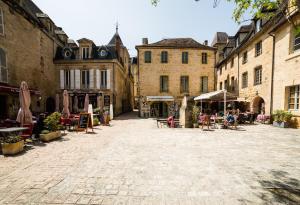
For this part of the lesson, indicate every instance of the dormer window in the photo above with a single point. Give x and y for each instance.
(85, 52)
(103, 53)
(257, 25)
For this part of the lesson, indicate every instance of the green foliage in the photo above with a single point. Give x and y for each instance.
(96, 121)
(45, 132)
(52, 122)
(282, 116)
(195, 113)
(11, 139)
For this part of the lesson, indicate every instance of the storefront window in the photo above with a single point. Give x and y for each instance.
(294, 96)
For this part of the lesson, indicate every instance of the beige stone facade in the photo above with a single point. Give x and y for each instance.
(159, 100)
(103, 72)
(28, 44)
(272, 68)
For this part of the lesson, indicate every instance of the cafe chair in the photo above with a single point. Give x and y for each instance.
(26, 134)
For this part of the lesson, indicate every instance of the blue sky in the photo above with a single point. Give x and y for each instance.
(96, 19)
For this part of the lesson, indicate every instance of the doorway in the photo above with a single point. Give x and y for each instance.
(3, 106)
(159, 109)
(50, 105)
(258, 105)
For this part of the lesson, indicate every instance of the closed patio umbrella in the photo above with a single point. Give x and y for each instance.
(66, 111)
(86, 103)
(24, 114)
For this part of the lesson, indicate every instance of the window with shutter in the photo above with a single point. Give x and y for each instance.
(1, 22)
(164, 83)
(147, 56)
(3, 67)
(164, 57)
(204, 84)
(184, 84)
(85, 79)
(294, 98)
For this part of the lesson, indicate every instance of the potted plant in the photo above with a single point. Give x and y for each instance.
(96, 121)
(195, 114)
(281, 118)
(52, 130)
(12, 145)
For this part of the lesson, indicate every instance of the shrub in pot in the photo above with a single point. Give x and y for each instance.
(12, 145)
(195, 114)
(96, 121)
(281, 118)
(52, 126)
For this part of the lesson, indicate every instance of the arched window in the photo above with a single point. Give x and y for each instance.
(3, 66)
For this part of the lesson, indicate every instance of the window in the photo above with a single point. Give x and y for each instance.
(3, 67)
(258, 49)
(245, 80)
(85, 79)
(147, 56)
(164, 57)
(245, 57)
(232, 62)
(85, 52)
(294, 95)
(297, 42)
(164, 83)
(221, 86)
(232, 84)
(184, 84)
(103, 79)
(1, 22)
(204, 58)
(185, 57)
(204, 84)
(258, 75)
(226, 85)
(221, 68)
(67, 79)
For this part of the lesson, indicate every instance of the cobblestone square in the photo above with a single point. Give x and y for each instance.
(135, 163)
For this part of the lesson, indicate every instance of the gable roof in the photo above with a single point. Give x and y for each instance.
(178, 43)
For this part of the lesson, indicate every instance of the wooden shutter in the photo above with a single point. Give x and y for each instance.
(72, 79)
(92, 81)
(62, 79)
(108, 79)
(77, 79)
(98, 79)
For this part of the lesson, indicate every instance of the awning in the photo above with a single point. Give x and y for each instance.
(160, 98)
(13, 89)
(216, 95)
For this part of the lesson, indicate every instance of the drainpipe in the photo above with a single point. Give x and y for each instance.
(238, 78)
(215, 73)
(272, 75)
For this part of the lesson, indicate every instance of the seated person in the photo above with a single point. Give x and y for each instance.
(171, 121)
(230, 119)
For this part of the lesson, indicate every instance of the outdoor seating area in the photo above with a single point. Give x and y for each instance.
(28, 129)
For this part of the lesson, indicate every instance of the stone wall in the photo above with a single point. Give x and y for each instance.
(149, 73)
(30, 53)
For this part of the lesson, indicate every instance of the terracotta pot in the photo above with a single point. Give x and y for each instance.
(50, 136)
(13, 148)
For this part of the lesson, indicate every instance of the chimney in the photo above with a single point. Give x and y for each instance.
(206, 43)
(145, 41)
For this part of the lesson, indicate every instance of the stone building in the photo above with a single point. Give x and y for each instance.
(171, 69)
(135, 73)
(103, 72)
(261, 63)
(28, 43)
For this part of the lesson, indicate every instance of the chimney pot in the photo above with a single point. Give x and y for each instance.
(145, 41)
(206, 42)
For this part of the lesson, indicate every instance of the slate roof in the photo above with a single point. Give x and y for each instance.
(245, 28)
(114, 39)
(178, 43)
(220, 38)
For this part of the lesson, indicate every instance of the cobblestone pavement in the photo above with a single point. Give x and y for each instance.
(134, 163)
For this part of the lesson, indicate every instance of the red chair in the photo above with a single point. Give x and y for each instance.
(66, 122)
(26, 134)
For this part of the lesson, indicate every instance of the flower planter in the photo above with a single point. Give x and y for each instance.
(12, 148)
(280, 124)
(50, 136)
(195, 125)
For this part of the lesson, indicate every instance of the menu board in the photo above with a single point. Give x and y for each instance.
(85, 121)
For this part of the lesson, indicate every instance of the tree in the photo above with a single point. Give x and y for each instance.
(257, 8)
